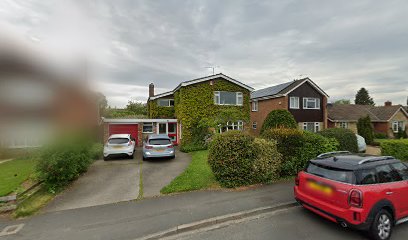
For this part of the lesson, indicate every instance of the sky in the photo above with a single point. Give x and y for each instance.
(341, 45)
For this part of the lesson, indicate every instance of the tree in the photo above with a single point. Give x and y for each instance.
(365, 129)
(342, 101)
(102, 103)
(363, 98)
(136, 108)
(279, 118)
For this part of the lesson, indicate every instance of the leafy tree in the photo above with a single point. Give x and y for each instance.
(279, 118)
(365, 129)
(363, 97)
(102, 103)
(342, 101)
(137, 108)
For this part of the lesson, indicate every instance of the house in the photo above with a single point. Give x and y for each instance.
(387, 119)
(197, 99)
(303, 98)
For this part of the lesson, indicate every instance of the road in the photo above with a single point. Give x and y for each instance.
(295, 223)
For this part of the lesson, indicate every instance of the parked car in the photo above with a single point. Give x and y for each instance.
(362, 146)
(158, 146)
(356, 190)
(119, 145)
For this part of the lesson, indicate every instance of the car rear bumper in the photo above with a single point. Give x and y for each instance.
(158, 154)
(125, 151)
(332, 213)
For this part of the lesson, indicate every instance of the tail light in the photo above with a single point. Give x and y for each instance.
(170, 146)
(356, 198)
(148, 147)
(297, 180)
(130, 143)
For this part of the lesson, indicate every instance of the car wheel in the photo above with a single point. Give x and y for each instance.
(105, 158)
(381, 228)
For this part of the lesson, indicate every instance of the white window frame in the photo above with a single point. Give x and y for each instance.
(396, 125)
(168, 102)
(147, 124)
(255, 106)
(315, 100)
(316, 126)
(238, 125)
(294, 102)
(254, 125)
(239, 98)
(343, 125)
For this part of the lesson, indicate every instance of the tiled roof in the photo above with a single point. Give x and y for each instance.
(351, 112)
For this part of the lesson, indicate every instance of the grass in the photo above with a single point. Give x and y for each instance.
(198, 175)
(33, 203)
(13, 173)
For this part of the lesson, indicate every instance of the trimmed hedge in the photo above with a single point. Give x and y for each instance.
(279, 118)
(395, 148)
(239, 159)
(62, 162)
(346, 138)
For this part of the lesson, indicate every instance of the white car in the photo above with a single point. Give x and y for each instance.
(361, 143)
(119, 145)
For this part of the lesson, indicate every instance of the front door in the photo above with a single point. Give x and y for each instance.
(162, 129)
(168, 128)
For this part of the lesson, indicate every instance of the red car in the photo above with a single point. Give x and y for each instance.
(360, 191)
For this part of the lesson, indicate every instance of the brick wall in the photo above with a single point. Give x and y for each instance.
(264, 108)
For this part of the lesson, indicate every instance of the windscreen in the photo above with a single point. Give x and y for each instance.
(118, 140)
(159, 141)
(335, 174)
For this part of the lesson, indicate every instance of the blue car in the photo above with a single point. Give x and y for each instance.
(158, 146)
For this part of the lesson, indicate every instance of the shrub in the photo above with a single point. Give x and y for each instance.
(346, 138)
(63, 161)
(97, 151)
(191, 147)
(315, 144)
(380, 135)
(239, 159)
(279, 119)
(396, 148)
(365, 129)
(400, 134)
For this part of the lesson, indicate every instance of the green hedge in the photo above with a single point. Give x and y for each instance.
(279, 118)
(395, 148)
(365, 129)
(346, 138)
(63, 161)
(239, 159)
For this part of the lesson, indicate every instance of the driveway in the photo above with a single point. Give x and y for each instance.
(119, 180)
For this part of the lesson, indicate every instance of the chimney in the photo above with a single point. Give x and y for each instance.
(151, 90)
(388, 103)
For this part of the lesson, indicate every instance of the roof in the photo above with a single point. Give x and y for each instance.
(133, 120)
(283, 89)
(352, 112)
(351, 161)
(202, 79)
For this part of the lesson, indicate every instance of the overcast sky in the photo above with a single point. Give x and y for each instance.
(340, 45)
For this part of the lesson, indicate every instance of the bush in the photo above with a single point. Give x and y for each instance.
(365, 129)
(97, 151)
(192, 147)
(279, 119)
(62, 162)
(239, 159)
(380, 135)
(315, 144)
(401, 134)
(395, 148)
(346, 138)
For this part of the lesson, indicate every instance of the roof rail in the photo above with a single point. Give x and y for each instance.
(373, 159)
(333, 153)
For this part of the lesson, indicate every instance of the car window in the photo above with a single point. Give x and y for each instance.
(401, 170)
(330, 173)
(386, 174)
(118, 140)
(366, 176)
(159, 142)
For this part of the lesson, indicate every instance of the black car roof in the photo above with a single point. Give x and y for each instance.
(353, 161)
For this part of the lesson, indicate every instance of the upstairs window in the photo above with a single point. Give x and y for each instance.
(397, 125)
(228, 98)
(311, 103)
(255, 106)
(165, 102)
(294, 102)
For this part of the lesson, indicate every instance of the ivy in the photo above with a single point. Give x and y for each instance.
(156, 111)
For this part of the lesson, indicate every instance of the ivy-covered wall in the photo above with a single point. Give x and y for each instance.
(156, 111)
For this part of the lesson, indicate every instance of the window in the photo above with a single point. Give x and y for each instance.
(172, 128)
(294, 102)
(147, 127)
(228, 98)
(401, 170)
(254, 125)
(385, 175)
(366, 176)
(330, 173)
(254, 106)
(311, 103)
(397, 125)
(159, 141)
(239, 125)
(165, 102)
(311, 126)
(343, 124)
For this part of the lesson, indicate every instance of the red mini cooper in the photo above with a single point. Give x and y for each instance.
(360, 191)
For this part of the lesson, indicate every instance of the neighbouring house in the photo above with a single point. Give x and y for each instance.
(303, 98)
(194, 100)
(387, 119)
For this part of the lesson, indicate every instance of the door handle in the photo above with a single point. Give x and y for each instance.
(389, 193)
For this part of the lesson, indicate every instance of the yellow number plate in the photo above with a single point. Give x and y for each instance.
(320, 188)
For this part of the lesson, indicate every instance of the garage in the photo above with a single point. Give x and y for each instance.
(131, 129)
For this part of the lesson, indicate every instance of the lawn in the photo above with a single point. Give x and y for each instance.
(198, 175)
(13, 173)
(33, 203)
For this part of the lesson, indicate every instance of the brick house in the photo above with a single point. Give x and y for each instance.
(386, 119)
(303, 98)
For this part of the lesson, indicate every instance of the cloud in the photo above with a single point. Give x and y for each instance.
(342, 46)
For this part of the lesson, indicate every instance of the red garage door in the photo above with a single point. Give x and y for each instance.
(124, 129)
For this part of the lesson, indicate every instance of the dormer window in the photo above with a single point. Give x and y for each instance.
(165, 102)
(228, 98)
(311, 103)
